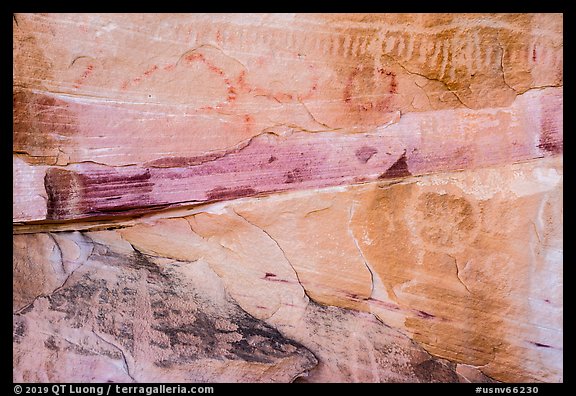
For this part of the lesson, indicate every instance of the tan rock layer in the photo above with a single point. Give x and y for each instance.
(121, 317)
(127, 316)
(467, 264)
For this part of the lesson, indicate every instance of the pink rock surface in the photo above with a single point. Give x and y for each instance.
(438, 141)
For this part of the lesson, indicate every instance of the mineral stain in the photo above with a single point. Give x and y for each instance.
(398, 169)
(364, 153)
(225, 193)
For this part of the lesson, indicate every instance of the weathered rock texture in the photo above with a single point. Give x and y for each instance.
(274, 198)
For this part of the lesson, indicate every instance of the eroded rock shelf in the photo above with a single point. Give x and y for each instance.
(288, 197)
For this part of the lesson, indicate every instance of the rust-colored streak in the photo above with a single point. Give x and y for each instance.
(74, 194)
(177, 162)
(41, 123)
(551, 138)
(222, 193)
(63, 188)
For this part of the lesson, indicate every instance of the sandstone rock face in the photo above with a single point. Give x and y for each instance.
(288, 198)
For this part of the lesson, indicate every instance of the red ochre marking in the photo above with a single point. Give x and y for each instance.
(84, 76)
(138, 80)
(241, 82)
(231, 90)
(196, 56)
(280, 97)
(149, 72)
(146, 74)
